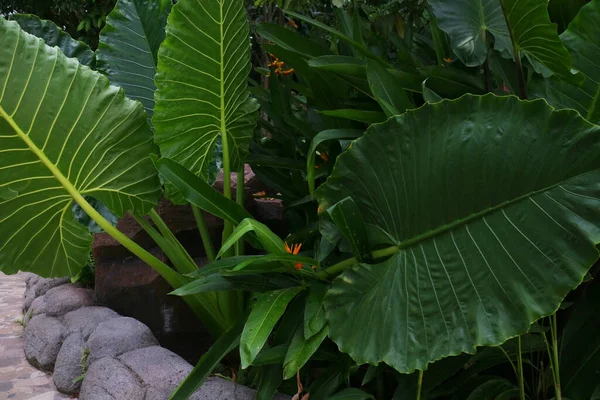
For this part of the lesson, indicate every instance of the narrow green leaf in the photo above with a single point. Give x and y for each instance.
(429, 95)
(356, 45)
(200, 193)
(370, 374)
(450, 82)
(270, 241)
(54, 36)
(314, 313)
(388, 93)
(202, 97)
(332, 134)
(469, 23)
(301, 350)
(268, 309)
(272, 376)
(351, 394)
(369, 117)
(271, 355)
(207, 363)
(219, 283)
(496, 389)
(65, 133)
(128, 47)
(346, 216)
(536, 38)
(269, 258)
(346, 65)
(290, 40)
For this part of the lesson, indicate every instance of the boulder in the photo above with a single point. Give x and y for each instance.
(221, 389)
(37, 307)
(85, 320)
(68, 366)
(28, 299)
(62, 299)
(43, 338)
(109, 379)
(119, 336)
(45, 284)
(157, 367)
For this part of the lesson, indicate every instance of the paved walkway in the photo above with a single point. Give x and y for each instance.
(18, 379)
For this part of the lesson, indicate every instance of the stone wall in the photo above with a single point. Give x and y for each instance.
(97, 354)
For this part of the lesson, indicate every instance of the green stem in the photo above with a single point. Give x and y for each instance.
(520, 369)
(419, 385)
(517, 55)
(341, 266)
(209, 248)
(239, 198)
(555, 361)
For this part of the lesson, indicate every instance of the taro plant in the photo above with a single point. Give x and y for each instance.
(437, 223)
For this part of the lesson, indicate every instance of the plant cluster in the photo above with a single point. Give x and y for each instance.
(438, 164)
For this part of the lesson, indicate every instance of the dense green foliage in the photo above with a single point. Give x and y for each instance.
(437, 163)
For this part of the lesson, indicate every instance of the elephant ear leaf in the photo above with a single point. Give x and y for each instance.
(536, 38)
(128, 48)
(202, 101)
(54, 36)
(490, 234)
(469, 23)
(65, 133)
(583, 41)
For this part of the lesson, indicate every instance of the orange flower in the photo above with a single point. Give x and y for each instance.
(295, 249)
(448, 60)
(293, 24)
(324, 156)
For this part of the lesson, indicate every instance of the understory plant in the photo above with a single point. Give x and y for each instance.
(437, 163)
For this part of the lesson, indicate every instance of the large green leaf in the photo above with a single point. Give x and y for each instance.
(64, 133)
(562, 12)
(536, 38)
(127, 52)
(583, 41)
(468, 23)
(202, 95)
(54, 36)
(493, 205)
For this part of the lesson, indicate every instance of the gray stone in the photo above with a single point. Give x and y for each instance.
(28, 299)
(221, 389)
(43, 339)
(109, 379)
(156, 394)
(45, 284)
(85, 320)
(62, 299)
(119, 336)
(37, 307)
(157, 367)
(68, 366)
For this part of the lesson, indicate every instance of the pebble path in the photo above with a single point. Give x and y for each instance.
(18, 379)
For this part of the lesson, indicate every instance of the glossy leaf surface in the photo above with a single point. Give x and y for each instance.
(64, 133)
(54, 36)
(583, 41)
(469, 23)
(492, 232)
(268, 309)
(202, 96)
(128, 47)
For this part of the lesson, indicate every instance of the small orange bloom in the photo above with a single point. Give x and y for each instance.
(295, 249)
(293, 24)
(448, 60)
(324, 156)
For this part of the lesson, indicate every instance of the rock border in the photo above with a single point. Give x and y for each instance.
(97, 354)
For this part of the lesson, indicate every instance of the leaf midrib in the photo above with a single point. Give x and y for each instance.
(464, 221)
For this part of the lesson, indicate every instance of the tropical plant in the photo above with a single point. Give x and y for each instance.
(437, 223)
